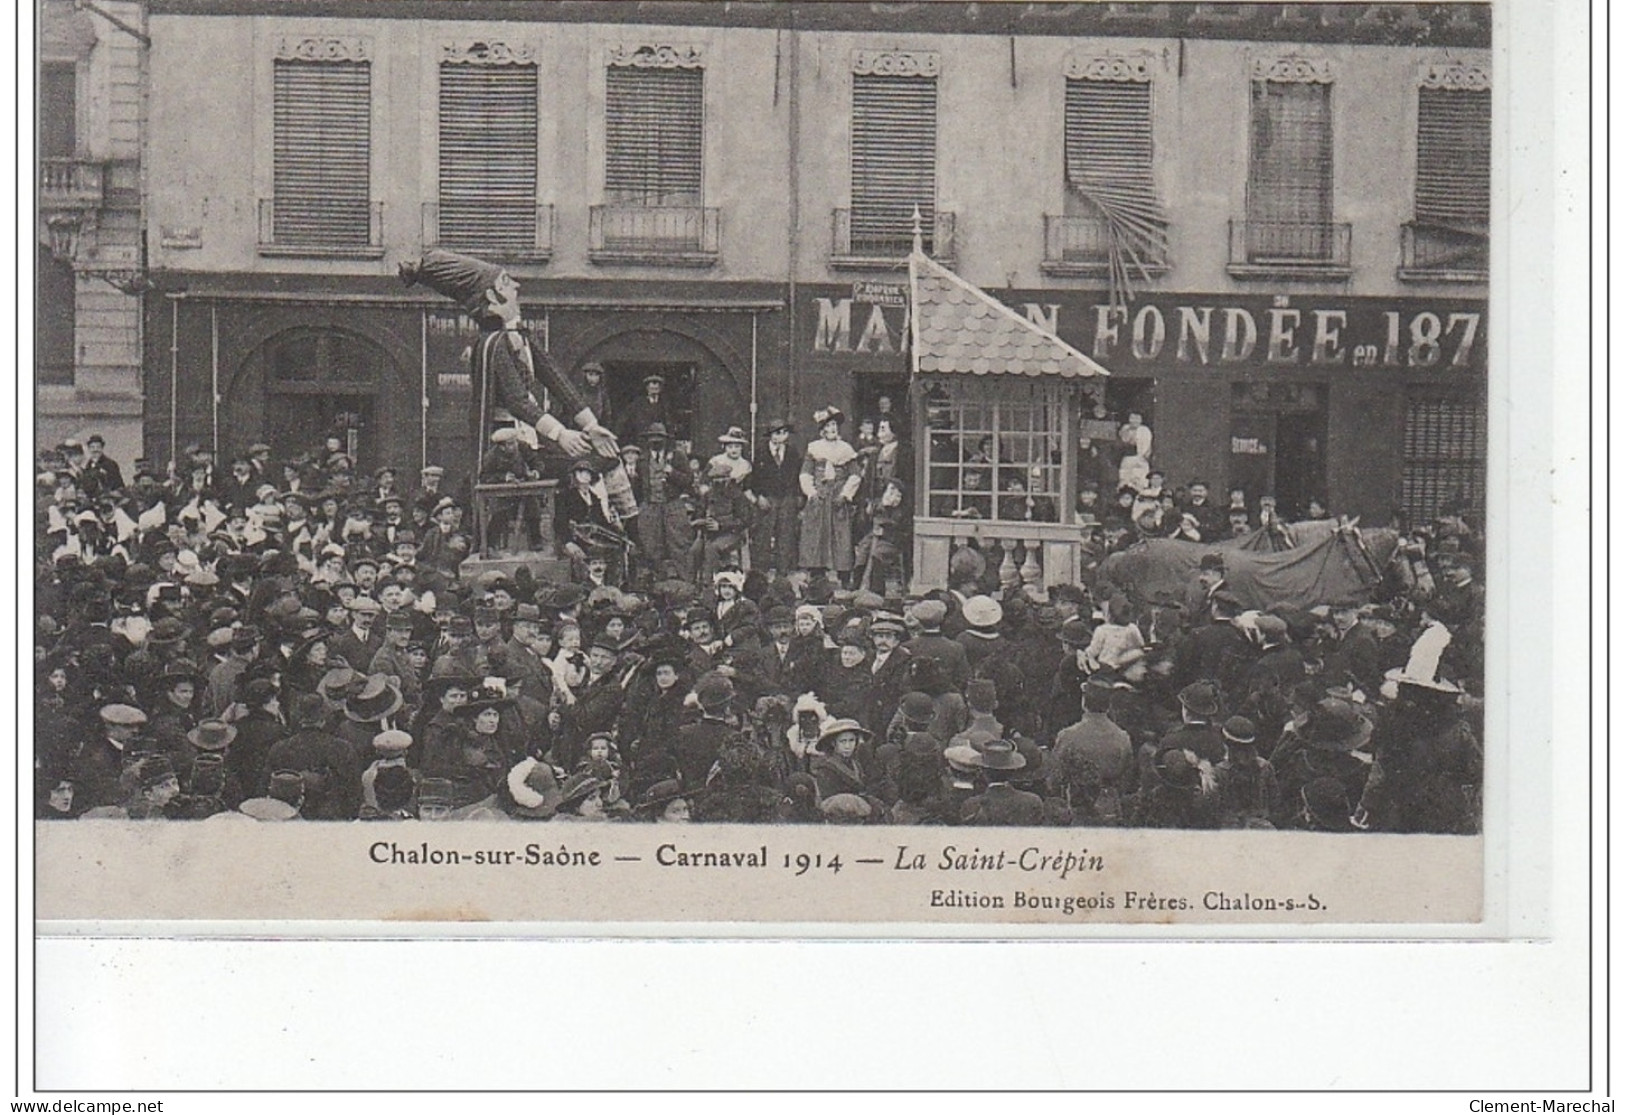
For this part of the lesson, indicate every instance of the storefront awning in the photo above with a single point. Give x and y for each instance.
(954, 327)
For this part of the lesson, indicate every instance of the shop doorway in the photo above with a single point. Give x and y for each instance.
(624, 380)
(868, 389)
(1278, 444)
(1105, 407)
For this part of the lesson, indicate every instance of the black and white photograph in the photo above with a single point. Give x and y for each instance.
(972, 465)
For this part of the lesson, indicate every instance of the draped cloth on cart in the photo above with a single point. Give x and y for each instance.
(1328, 564)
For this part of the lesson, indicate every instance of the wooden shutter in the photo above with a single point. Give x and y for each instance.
(1289, 177)
(322, 153)
(1453, 159)
(1446, 442)
(894, 160)
(654, 135)
(1108, 134)
(488, 158)
(58, 111)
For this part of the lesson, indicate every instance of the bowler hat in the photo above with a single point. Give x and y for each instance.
(714, 692)
(918, 707)
(1200, 698)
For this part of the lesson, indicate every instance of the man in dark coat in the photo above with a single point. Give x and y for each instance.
(326, 763)
(1001, 803)
(1217, 651)
(888, 673)
(697, 746)
(1198, 732)
(664, 481)
(248, 758)
(1352, 651)
(932, 643)
(99, 474)
(775, 480)
(97, 768)
(648, 409)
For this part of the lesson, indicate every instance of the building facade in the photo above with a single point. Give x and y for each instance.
(1269, 222)
(87, 326)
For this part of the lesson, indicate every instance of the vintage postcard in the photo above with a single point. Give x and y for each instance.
(948, 468)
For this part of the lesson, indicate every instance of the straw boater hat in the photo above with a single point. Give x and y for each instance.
(983, 612)
(1000, 755)
(212, 735)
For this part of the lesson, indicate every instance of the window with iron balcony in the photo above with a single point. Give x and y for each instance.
(654, 150)
(321, 203)
(1448, 238)
(894, 165)
(1113, 223)
(1289, 229)
(487, 200)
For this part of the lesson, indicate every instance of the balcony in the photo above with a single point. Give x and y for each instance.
(1431, 253)
(1031, 556)
(1290, 250)
(659, 235)
(321, 228)
(505, 233)
(883, 245)
(1082, 246)
(71, 184)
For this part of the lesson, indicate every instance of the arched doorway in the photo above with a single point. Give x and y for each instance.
(702, 395)
(314, 382)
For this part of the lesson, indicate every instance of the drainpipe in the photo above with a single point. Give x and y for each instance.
(214, 374)
(423, 389)
(174, 375)
(794, 136)
(754, 318)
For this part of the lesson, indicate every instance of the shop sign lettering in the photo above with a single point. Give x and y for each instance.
(1185, 331)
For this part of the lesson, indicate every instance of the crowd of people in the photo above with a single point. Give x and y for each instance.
(289, 640)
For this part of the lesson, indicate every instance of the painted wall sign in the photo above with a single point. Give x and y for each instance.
(1176, 331)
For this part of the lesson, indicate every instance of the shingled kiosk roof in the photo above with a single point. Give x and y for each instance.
(955, 327)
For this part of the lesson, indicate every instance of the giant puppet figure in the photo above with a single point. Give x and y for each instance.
(506, 370)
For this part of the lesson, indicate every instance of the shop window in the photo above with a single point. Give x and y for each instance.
(55, 319)
(487, 197)
(1113, 219)
(1450, 231)
(894, 165)
(995, 455)
(1446, 442)
(321, 161)
(1289, 181)
(654, 135)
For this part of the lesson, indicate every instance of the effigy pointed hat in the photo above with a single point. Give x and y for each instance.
(463, 279)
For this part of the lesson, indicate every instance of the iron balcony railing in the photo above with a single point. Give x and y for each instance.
(1288, 244)
(669, 235)
(1080, 244)
(331, 227)
(519, 233)
(72, 183)
(868, 240)
(1438, 251)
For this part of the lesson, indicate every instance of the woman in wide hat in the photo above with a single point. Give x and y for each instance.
(830, 477)
(835, 764)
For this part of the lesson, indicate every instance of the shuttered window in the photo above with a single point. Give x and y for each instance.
(1453, 159)
(654, 135)
(1108, 173)
(894, 161)
(1446, 442)
(488, 158)
(322, 153)
(1108, 137)
(1289, 174)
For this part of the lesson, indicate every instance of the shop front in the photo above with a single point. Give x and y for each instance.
(239, 359)
(1372, 407)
